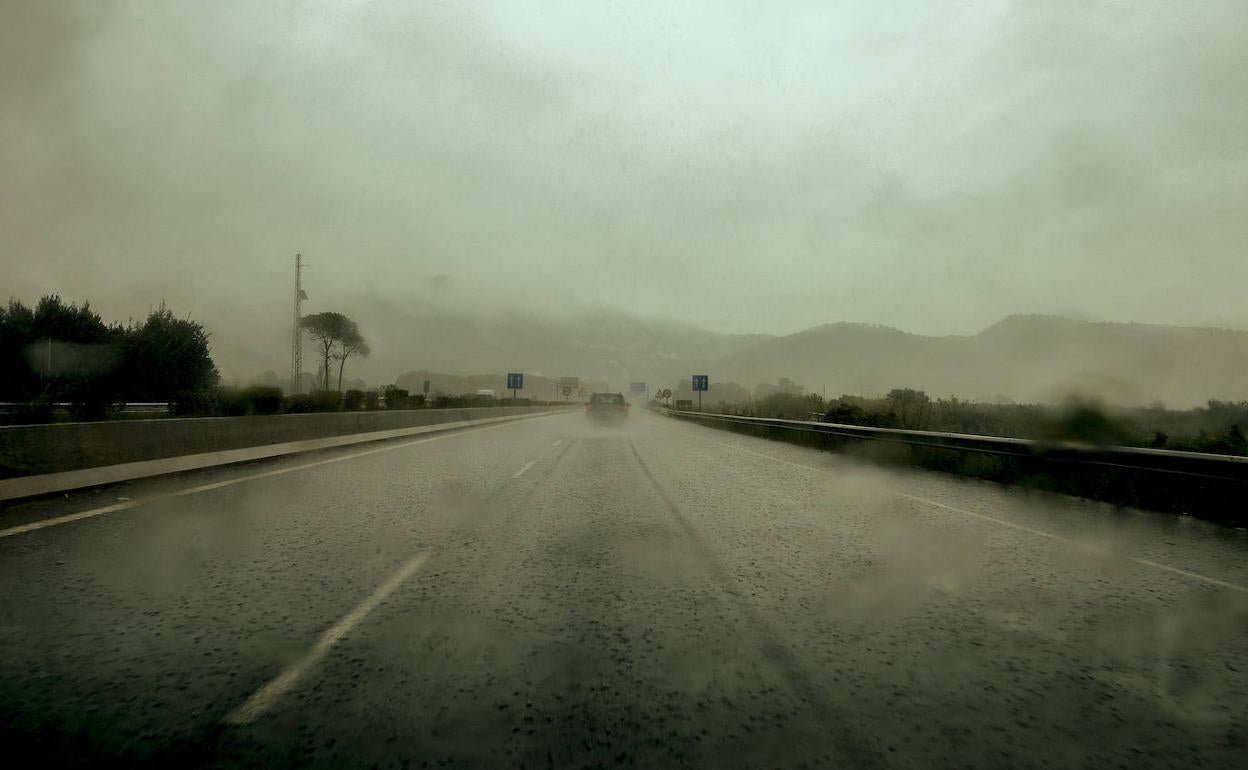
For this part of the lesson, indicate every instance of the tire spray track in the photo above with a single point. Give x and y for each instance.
(853, 749)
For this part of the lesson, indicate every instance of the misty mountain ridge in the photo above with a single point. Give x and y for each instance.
(597, 343)
(1024, 358)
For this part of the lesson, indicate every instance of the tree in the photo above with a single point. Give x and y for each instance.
(337, 338)
(18, 381)
(350, 342)
(790, 387)
(325, 329)
(911, 406)
(53, 348)
(59, 351)
(166, 357)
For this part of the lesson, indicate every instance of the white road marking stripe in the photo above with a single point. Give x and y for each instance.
(264, 698)
(520, 472)
(558, 441)
(1077, 544)
(45, 523)
(1002, 522)
(1012, 525)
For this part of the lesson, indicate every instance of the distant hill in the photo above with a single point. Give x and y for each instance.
(600, 345)
(1021, 358)
(1024, 358)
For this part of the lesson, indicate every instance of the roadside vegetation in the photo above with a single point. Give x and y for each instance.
(1218, 427)
(261, 400)
(58, 352)
(1215, 428)
(336, 338)
(59, 361)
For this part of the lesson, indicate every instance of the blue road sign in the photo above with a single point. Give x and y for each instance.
(701, 382)
(515, 381)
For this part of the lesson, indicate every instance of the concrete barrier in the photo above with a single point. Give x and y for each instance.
(27, 450)
(22, 487)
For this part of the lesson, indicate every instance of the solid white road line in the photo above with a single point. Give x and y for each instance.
(558, 441)
(58, 520)
(268, 695)
(520, 472)
(1041, 533)
(1079, 545)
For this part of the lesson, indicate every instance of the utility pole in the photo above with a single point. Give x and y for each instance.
(296, 345)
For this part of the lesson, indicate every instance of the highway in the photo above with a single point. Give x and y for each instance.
(555, 593)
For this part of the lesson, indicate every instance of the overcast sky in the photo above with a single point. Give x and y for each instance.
(751, 167)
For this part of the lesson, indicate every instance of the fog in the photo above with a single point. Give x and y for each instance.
(745, 168)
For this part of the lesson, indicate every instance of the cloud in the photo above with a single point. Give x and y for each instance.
(743, 167)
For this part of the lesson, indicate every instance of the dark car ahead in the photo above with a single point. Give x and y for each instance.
(607, 406)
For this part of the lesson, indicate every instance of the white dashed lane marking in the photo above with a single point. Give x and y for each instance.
(268, 695)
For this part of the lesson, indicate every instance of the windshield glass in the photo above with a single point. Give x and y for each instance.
(624, 384)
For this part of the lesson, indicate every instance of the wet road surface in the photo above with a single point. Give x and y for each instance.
(554, 593)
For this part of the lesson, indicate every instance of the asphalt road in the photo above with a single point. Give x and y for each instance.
(553, 593)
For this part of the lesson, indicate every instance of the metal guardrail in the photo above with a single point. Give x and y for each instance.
(1191, 464)
(123, 406)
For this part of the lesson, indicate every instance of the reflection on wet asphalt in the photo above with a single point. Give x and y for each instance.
(559, 593)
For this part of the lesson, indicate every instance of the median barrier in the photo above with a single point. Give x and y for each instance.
(43, 449)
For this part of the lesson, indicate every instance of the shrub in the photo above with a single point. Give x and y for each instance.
(1230, 442)
(297, 403)
(87, 403)
(788, 406)
(1235, 440)
(228, 402)
(195, 403)
(845, 414)
(352, 400)
(1087, 422)
(231, 403)
(260, 399)
(911, 407)
(396, 398)
(455, 402)
(318, 401)
(39, 409)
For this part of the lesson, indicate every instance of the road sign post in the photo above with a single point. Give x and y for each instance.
(515, 381)
(701, 382)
